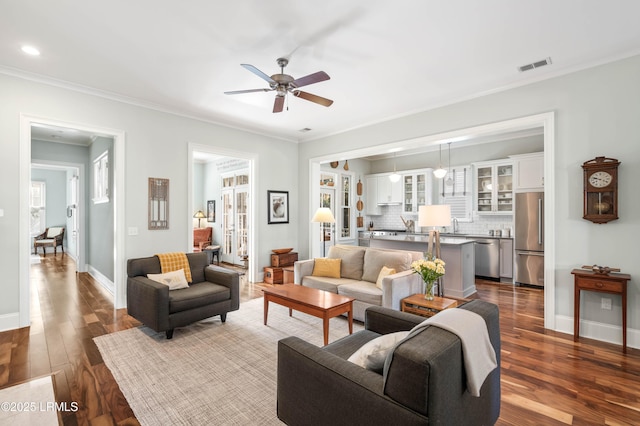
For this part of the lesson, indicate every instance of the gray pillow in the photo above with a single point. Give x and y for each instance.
(375, 259)
(352, 260)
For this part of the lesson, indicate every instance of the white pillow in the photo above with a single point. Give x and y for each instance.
(54, 232)
(373, 354)
(175, 279)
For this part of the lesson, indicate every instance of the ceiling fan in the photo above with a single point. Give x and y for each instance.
(283, 84)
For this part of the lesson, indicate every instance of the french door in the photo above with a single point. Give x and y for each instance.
(235, 220)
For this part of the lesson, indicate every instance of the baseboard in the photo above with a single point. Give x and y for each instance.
(9, 321)
(103, 280)
(599, 331)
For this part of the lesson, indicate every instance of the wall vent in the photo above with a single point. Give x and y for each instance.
(537, 64)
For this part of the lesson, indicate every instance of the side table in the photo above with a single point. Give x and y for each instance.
(213, 251)
(604, 283)
(418, 305)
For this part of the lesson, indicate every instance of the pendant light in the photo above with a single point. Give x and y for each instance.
(394, 177)
(439, 173)
(450, 178)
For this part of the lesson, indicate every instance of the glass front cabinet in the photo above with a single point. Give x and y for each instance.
(494, 187)
(416, 190)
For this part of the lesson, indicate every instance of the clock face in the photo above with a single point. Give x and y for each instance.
(600, 179)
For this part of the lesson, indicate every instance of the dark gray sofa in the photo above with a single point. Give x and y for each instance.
(425, 382)
(213, 291)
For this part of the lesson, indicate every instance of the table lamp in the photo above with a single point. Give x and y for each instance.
(323, 215)
(199, 215)
(434, 216)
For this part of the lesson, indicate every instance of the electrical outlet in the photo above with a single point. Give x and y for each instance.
(605, 303)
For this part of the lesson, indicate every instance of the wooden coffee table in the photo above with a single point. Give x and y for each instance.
(319, 303)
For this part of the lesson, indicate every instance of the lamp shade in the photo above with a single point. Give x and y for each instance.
(323, 215)
(434, 215)
(199, 215)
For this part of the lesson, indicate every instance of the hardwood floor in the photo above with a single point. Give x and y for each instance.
(546, 377)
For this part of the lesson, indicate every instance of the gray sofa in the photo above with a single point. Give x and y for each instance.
(213, 291)
(423, 383)
(359, 271)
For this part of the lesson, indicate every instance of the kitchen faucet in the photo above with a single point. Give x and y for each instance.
(454, 220)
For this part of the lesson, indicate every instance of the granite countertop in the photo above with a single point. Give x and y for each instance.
(424, 239)
(470, 236)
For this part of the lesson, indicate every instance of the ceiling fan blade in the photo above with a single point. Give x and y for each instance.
(313, 98)
(259, 73)
(237, 92)
(310, 79)
(278, 105)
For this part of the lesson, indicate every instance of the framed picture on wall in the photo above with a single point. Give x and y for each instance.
(211, 211)
(278, 206)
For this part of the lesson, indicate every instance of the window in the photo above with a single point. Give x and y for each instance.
(458, 194)
(101, 178)
(37, 206)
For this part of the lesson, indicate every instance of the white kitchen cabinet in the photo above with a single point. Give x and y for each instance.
(529, 172)
(494, 187)
(389, 192)
(506, 258)
(416, 190)
(371, 207)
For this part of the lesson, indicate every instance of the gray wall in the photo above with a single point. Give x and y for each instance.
(100, 223)
(596, 114)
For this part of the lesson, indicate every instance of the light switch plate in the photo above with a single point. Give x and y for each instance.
(133, 230)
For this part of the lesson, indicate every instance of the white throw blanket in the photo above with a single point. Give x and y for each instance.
(479, 356)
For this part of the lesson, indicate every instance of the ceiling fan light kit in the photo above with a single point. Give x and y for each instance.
(284, 84)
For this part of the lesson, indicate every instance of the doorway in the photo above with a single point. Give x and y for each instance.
(225, 179)
(545, 121)
(117, 166)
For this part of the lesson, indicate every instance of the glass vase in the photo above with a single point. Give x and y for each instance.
(428, 290)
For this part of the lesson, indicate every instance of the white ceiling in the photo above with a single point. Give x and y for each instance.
(385, 58)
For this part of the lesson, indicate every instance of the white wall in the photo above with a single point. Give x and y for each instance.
(155, 146)
(596, 114)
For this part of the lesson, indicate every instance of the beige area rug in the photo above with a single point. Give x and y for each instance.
(210, 373)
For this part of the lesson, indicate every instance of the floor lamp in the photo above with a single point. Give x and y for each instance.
(435, 216)
(323, 215)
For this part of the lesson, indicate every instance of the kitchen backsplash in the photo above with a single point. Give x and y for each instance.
(481, 225)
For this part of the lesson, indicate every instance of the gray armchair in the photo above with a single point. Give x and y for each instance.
(423, 383)
(214, 291)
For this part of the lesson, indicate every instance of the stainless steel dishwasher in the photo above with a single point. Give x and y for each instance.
(488, 258)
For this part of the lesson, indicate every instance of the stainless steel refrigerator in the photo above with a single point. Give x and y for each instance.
(529, 238)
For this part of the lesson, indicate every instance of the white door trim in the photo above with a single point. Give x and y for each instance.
(118, 166)
(545, 120)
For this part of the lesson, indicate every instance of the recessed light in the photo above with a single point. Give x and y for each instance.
(30, 50)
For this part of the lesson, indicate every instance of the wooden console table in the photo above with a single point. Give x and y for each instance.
(605, 283)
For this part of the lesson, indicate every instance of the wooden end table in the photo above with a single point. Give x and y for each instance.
(418, 305)
(319, 303)
(611, 283)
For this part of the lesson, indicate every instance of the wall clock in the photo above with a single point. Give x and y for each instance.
(600, 189)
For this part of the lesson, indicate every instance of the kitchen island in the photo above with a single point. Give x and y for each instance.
(457, 252)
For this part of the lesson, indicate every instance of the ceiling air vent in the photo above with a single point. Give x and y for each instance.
(537, 64)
